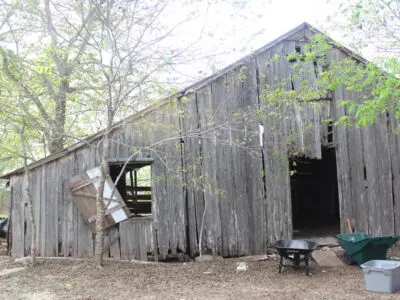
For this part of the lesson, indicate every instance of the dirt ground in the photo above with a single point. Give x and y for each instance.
(192, 280)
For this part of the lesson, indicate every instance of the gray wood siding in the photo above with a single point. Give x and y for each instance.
(207, 154)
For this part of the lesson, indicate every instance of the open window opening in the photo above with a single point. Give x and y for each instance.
(315, 200)
(134, 185)
(261, 134)
(330, 133)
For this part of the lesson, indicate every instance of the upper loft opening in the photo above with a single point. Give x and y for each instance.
(134, 184)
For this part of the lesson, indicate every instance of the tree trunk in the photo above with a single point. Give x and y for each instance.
(100, 206)
(98, 251)
(56, 139)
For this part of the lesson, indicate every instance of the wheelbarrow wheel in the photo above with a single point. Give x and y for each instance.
(307, 262)
(280, 265)
(347, 259)
(296, 259)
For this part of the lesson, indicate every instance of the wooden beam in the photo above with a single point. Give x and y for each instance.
(86, 183)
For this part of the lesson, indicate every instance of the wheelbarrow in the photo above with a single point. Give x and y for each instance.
(361, 247)
(296, 251)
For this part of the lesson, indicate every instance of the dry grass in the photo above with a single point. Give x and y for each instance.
(206, 280)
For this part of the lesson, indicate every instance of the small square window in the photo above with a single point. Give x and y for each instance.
(134, 185)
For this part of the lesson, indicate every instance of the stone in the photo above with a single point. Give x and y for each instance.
(326, 259)
(23, 260)
(142, 262)
(207, 258)
(273, 257)
(252, 258)
(324, 241)
(339, 251)
(242, 266)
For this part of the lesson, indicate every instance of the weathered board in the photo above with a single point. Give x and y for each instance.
(192, 164)
(83, 188)
(17, 216)
(136, 238)
(366, 167)
(394, 142)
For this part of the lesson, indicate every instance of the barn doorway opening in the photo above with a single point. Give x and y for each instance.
(315, 199)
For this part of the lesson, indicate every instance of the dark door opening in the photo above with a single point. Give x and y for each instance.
(315, 200)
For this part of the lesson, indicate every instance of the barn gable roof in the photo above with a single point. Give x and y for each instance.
(296, 34)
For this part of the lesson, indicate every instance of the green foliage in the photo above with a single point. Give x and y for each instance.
(243, 73)
(144, 176)
(374, 86)
(374, 24)
(70, 69)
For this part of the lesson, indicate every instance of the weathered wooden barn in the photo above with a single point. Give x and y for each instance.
(205, 156)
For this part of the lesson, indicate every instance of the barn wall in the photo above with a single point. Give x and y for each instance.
(368, 174)
(220, 173)
(231, 190)
(368, 169)
(367, 158)
(212, 180)
(62, 231)
(246, 211)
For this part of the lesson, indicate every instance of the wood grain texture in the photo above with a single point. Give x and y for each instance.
(17, 217)
(342, 153)
(192, 165)
(359, 191)
(394, 141)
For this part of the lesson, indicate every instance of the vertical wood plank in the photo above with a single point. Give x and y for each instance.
(394, 138)
(342, 154)
(212, 226)
(384, 172)
(17, 217)
(372, 183)
(277, 182)
(358, 189)
(69, 240)
(227, 243)
(124, 235)
(160, 201)
(85, 159)
(27, 223)
(36, 193)
(114, 235)
(43, 212)
(174, 184)
(192, 165)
